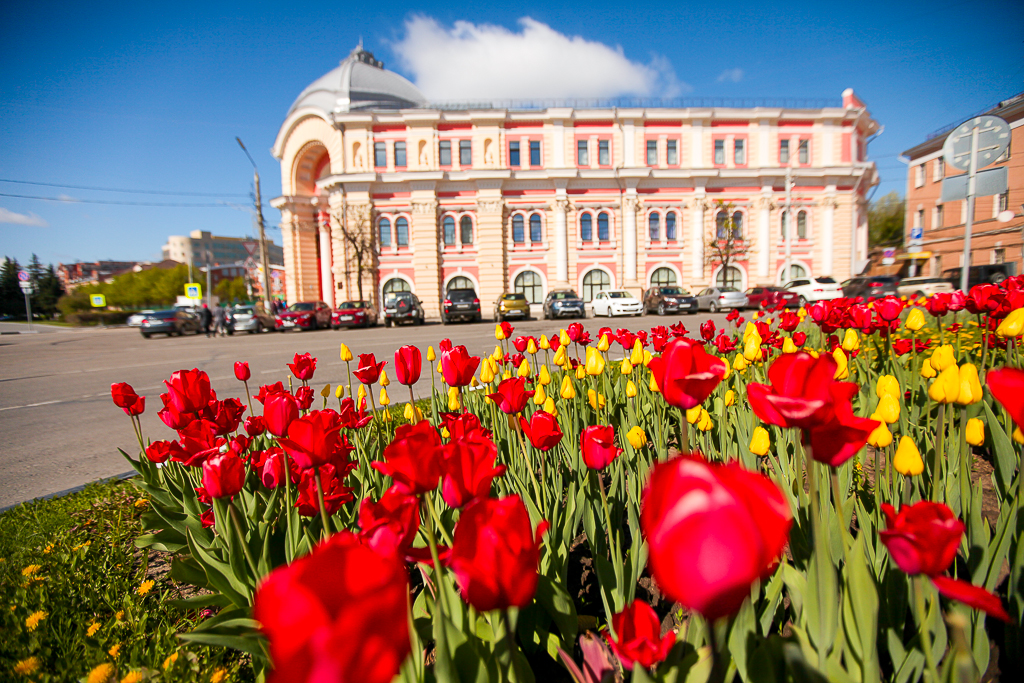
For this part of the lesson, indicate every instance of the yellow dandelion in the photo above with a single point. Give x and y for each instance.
(133, 677)
(141, 503)
(145, 587)
(219, 675)
(114, 651)
(169, 662)
(48, 549)
(27, 667)
(33, 620)
(30, 570)
(119, 616)
(93, 628)
(101, 673)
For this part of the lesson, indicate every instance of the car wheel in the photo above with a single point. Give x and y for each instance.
(713, 307)
(802, 301)
(145, 335)
(444, 320)
(661, 309)
(387, 322)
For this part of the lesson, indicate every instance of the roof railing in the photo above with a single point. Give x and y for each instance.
(645, 103)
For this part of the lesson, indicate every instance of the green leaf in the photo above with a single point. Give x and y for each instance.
(554, 598)
(1006, 458)
(220, 575)
(860, 612)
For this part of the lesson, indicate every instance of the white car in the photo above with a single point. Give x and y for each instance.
(917, 287)
(611, 302)
(813, 289)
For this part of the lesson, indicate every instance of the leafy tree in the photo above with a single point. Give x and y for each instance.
(48, 288)
(886, 218)
(12, 302)
(231, 290)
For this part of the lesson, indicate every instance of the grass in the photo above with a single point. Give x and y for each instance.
(76, 594)
(52, 323)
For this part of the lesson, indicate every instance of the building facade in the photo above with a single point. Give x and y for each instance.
(529, 200)
(200, 246)
(943, 224)
(73, 275)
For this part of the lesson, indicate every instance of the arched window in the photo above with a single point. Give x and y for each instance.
(737, 225)
(402, 231)
(663, 277)
(796, 272)
(528, 283)
(466, 230)
(670, 226)
(518, 235)
(586, 227)
(385, 232)
(722, 225)
(459, 282)
(396, 284)
(801, 225)
(535, 229)
(602, 227)
(448, 228)
(654, 224)
(594, 282)
(729, 277)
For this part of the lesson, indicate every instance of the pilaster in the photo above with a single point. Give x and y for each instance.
(425, 242)
(491, 251)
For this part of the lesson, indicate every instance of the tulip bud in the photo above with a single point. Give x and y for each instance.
(559, 358)
(728, 372)
(908, 459)
(544, 345)
(581, 372)
(567, 392)
(636, 437)
(740, 364)
(604, 342)
(592, 398)
(440, 370)
(851, 342)
(970, 386)
(413, 415)
(431, 356)
(915, 320)
(975, 432)
(595, 362)
(887, 385)
(888, 410)
(802, 312)
(384, 400)
(339, 391)
(531, 346)
(524, 369)
(499, 333)
(647, 357)
(361, 394)
(1018, 435)
(704, 423)
(636, 356)
(842, 364)
(539, 396)
(486, 374)
(497, 354)
(563, 338)
(549, 406)
(626, 368)
(1012, 325)
(653, 385)
(693, 414)
(943, 357)
(927, 371)
(384, 381)
(788, 346)
(946, 387)
(544, 377)
(506, 375)
(326, 391)
(346, 355)
(749, 330)
(730, 397)
(752, 347)
(474, 382)
(444, 430)
(881, 437)
(453, 399)
(630, 389)
(760, 441)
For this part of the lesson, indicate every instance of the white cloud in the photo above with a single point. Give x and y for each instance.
(8, 216)
(731, 75)
(478, 62)
(67, 198)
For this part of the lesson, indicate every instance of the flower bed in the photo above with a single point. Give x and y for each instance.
(651, 504)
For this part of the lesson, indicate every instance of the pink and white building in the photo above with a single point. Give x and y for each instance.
(526, 199)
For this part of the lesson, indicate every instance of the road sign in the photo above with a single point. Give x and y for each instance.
(917, 233)
(986, 183)
(97, 300)
(27, 287)
(193, 290)
(23, 275)
(993, 138)
(888, 257)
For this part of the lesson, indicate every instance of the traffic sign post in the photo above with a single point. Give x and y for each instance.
(28, 289)
(193, 291)
(97, 300)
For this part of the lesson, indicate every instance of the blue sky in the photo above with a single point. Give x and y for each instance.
(151, 96)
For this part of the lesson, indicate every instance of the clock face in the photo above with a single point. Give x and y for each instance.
(993, 138)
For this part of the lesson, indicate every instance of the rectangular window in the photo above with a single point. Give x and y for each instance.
(582, 158)
(465, 153)
(400, 155)
(783, 151)
(672, 152)
(803, 152)
(919, 219)
(939, 217)
(719, 152)
(444, 157)
(380, 154)
(1006, 153)
(513, 154)
(604, 156)
(1003, 202)
(739, 152)
(940, 170)
(919, 175)
(999, 255)
(652, 152)
(535, 154)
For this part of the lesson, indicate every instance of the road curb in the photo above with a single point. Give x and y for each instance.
(74, 489)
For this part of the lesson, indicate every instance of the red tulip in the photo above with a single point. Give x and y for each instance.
(707, 330)
(198, 442)
(303, 366)
(254, 425)
(838, 440)
(521, 343)
(469, 469)
(495, 554)
(126, 399)
(267, 390)
(279, 409)
(575, 332)
(957, 301)
(414, 459)
(512, 395)
(506, 328)
(242, 373)
(938, 304)
(597, 444)
(408, 363)
(555, 342)
(337, 614)
(369, 369)
(458, 366)
(972, 596)
(161, 451)
(389, 526)
(712, 530)
(889, 308)
(542, 430)
(799, 393)
(639, 636)
(336, 493)
(350, 418)
(188, 391)
(304, 397)
(312, 438)
(239, 444)
(686, 373)
(136, 408)
(272, 468)
(1007, 386)
(223, 475)
(226, 414)
(461, 425)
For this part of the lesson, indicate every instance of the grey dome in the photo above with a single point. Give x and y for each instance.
(359, 82)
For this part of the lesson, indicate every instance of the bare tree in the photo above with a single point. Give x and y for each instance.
(362, 250)
(727, 244)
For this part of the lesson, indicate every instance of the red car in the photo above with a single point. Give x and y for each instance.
(306, 315)
(354, 314)
(770, 297)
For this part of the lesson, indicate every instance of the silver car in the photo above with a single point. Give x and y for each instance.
(251, 319)
(716, 298)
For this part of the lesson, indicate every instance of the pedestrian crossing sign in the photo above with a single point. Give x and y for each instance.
(193, 290)
(97, 300)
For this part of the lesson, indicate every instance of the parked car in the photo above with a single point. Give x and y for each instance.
(403, 307)
(871, 286)
(562, 303)
(770, 297)
(354, 314)
(669, 300)
(135, 319)
(992, 273)
(512, 305)
(460, 304)
(611, 302)
(305, 315)
(716, 298)
(251, 319)
(170, 322)
(813, 289)
(917, 287)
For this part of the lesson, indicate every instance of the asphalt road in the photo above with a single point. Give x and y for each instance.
(59, 428)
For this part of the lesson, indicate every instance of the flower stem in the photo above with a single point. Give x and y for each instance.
(922, 615)
(237, 523)
(613, 541)
(432, 542)
(248, 397)
(510, 637)
(320, 501)
(412, 402)
(940, 448)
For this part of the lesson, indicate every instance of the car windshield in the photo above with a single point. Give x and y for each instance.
(244, 310)
(163, 315)
(671, 291)
(461, 295)
(619, 295)
(353, 304)
(514, 297)
(885, 280)
(923, 281)
(825, 280)
(728, 289)
(308, 306)
(562, 296)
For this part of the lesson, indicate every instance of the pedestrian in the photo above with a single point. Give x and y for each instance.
(220, 316)
(206, 318)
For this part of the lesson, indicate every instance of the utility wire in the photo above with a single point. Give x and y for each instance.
(113, 189)
(224, 205)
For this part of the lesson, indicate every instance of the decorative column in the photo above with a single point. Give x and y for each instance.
(491, 243)
(323, 220)
(697, 238)
(425, 244)
(764, 231)
(629, 207)
(828, 234)
(561, 241)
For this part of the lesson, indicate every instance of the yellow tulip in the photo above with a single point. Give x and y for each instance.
(384, 399)
(549, 406)
(581, 372)
(908, 459)
(431, 356)
(384, 381)
(851, 342)
(843, 365)
(881, 437)
(361, 394)
(539, 396)
(740, 364)
(915, 320)
(595, 362)
(705, 424)
(544, 377)
(1018, 436)
(560, 358)
(730, 397)
(567, 391)
(752, 348)
(346, 354)
(440, 370)
(474, 382)
(636, 356)
(326, 391)
(524, 369)
(563, 337)
(975, 432)
(647, 357)
(760, 441)
(887, 386)
(444, 430)
(486, 374)
(506, 375)
(1012, 324)
(789, 346)
(946, 387)
(653, 386)
(499, 333)
(927, 371)
(749, 330)
(756, 315)
(497, 354)
(943, 357)
(544, 344)
(888, 410)
(693, 414)
(636, 437)
(626, 368)
(339, 391)
(604, 342)
(412, 415)
(630, 389)
(531, 346)
(596, 400)
(970, 386)
(802, 312)
(453, 399)
(728, 372)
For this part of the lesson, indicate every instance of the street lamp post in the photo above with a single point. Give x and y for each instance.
(264, 256)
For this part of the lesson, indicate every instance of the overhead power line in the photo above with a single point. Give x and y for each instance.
(74, 200)
(114, 189)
